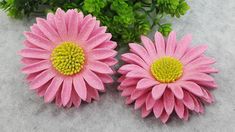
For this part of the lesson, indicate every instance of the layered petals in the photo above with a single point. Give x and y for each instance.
(68, 58)
(167, 76)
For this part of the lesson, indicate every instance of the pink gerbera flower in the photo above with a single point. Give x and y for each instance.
(68, 57)
(166, 77)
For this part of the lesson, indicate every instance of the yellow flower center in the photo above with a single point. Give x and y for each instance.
(68, 58)
(167, 69)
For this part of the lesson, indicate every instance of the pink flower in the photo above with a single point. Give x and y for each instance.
(68, 57)
(166, 77)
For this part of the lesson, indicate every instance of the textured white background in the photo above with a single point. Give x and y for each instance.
(211, 22)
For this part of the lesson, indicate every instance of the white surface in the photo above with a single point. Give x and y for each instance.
(210, 21)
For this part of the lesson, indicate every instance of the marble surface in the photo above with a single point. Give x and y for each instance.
(210, 21)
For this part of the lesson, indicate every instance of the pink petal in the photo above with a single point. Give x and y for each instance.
(48, 30)
(137, 93)
(41, 79)
(105, 78)
(207, 96)
(186, 115)
(164, 117)
(127, 91)
(168, 101)
(30, 45)
(66, 90)
(158, 108)
(149, 102)
(61, 25)
(197, 106)
(102, 53)
(53, 88)
(93, 80)
(138, 74)
(179, 108)
(130, 67)
(108, 45)
(140, 51)
(74, 22)
(99, 67)
(134, 59)
(75, 98)
(35, 53)
(39, 41)
(160, 44)
(129, 82)
(145, 112)
(86, 30)
(148, 44)
(35, 29)
(58, 98)
(195, 76)
(177, 90)
(171, 44)
(36, 67)
(188, 101)
(193, 54)
(28, 61)
(146, 83)
(128, 101)
(192, 87)
(97, 40)
(158, 91)
(93, 93)
(182, 46)
(140, 101)
(206, 84)
(110, 61)
(80, 87)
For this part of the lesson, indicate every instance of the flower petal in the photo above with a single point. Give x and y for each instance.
(140, 101)
(146, 83)
(177, 90)
(35, 53)
(195, 76)
(182, 46)
(97, 40)
(53, 88)
(139, 50)
(160, 44)
(148, 44)
(93, 80)
(132, 58)
(188, 101)
(168, 101)
(191, 87)
(149, 102)
(80, 87)
(179, 108)
(86, 29)
(48, 30)
(145, 112)
(171, 44)
(41, 79)
(158, 91)
(66, 90)
(158, 108)
(39, 41)
(193, 54)
(36, 67)
(164, 117)
(102, 53)
(99, 67)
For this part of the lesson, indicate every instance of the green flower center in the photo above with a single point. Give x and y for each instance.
(167, 69)
(68, 58)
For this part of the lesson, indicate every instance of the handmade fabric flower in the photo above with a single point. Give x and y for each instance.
(68, 57)
(166, 77)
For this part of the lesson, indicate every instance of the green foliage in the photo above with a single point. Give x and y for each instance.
(125, 19)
